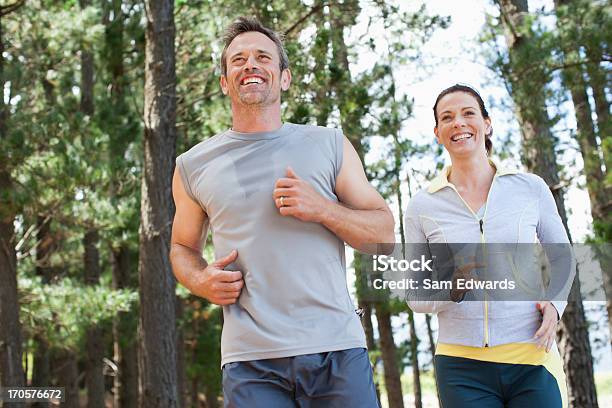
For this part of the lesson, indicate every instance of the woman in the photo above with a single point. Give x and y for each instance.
(489, 353)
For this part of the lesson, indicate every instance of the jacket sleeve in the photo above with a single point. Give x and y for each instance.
(415, 242)
(553, 237)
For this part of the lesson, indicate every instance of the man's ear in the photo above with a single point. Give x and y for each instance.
(223, 83)
(285, 79)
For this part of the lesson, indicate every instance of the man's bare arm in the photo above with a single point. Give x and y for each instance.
(189, 231)
(361, 218)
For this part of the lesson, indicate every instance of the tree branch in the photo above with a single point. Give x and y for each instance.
(9, 8)
(316, 9)
(508, 20)
(550, 68)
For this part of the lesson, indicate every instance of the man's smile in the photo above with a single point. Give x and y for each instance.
(252, 79)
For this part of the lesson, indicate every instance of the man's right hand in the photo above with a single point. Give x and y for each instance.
(189, 230)
(219, 286)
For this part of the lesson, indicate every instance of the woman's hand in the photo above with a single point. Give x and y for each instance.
(464, 272)
(548, 329)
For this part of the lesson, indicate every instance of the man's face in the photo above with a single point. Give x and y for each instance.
(253, 71)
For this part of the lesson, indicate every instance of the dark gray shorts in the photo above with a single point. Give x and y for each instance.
(327, 380)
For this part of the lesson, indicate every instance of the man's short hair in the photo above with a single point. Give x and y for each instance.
(246, 24)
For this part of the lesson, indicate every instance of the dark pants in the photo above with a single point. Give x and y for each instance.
(467, 383)
(335, 379)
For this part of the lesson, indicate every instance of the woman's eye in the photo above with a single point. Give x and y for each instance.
(469, 113)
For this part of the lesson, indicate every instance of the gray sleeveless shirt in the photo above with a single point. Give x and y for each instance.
(295, 299)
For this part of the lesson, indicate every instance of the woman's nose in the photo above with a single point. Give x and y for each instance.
(458, 121)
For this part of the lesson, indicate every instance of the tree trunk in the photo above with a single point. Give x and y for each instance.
(195, 388)
(432, 344)
(124, 331)
(94, 363)
(576, 352)
(11, 370)
(94, 360)
(366, 323)
(432, 350)
(322, 101)
(366, 318)
(157, 284)
(599, 192)
(66, 372)
(124, 266)
(368, 328)
(393, 383)
(340, 72)
(414, 354)
(114, 44)
(41, 369)
(598, 81)
(538, 144)
(180, 355)
(212, 399)
(340, 82)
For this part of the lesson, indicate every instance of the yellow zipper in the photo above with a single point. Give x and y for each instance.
(482, 241)
(486, 303)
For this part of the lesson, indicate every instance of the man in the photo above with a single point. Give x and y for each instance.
(281, 200)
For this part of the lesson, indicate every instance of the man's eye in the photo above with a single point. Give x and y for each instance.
(239, 59)
(264, 57)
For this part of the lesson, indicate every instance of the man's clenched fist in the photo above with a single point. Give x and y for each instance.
(217, 285)
(295, 197)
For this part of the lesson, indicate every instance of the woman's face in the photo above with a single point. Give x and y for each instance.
(461, 127)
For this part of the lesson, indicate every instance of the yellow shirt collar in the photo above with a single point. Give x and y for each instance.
(441, 179)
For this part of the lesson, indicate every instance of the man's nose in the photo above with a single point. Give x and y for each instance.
(251, 63)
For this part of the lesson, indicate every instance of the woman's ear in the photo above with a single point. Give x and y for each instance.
(488, 127)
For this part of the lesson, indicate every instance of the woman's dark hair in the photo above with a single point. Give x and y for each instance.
(476, 95)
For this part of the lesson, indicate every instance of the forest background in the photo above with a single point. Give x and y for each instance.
(100, 96)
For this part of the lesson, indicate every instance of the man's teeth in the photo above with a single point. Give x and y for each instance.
(461, 137)
(252, 81)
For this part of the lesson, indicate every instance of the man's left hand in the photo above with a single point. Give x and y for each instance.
(546, 333)
(295, 197)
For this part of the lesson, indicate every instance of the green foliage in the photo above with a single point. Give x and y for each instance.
(554, 54)
(79, 171)
(201, 324)
(61, 312)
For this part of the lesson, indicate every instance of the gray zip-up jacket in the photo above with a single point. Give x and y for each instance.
(519, 209)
